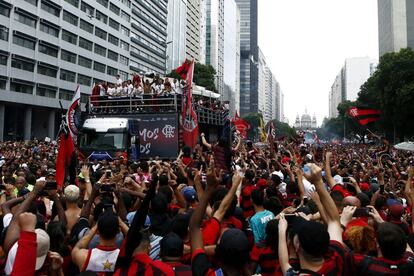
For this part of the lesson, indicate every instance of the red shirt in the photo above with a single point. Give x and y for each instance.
(25, 260)
(246, 200)
(211, 231)
(232, 222)
(268, 260)
(142, 264)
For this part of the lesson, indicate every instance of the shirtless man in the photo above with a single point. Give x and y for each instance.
(72, 210)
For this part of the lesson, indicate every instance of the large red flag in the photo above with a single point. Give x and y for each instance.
(189, 121)
(184, 69)
(64, 158)
(364, 115)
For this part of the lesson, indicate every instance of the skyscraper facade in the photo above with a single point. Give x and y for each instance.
(249, 96)
(215, 40)
(193, 33)
(177, 26)
(231, 66)
(395, 25)
(49, 47)
(148, 35)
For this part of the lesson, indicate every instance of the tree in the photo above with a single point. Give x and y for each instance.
(282, 129)
(391, 90)
(204, 75)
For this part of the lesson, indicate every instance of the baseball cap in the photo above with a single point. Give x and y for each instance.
(395, 208)
(190, 194)
(278, 173)
(313, 236)
(43, 245)
(171, 245)
(262, 183)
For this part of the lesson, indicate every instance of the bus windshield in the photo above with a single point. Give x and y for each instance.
(103, 140)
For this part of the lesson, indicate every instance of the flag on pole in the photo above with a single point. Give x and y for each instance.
(364, 116)
(189, 121)
(184, 69)
(65, 158)
(73, 115)
(262, 130)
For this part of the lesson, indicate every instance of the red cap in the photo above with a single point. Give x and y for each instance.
(262, 183)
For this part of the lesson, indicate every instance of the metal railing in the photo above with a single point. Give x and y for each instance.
(104, 105)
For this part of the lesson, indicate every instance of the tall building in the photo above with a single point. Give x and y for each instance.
(194, 31)
(148, 35)
(395, 25)
(249, 59)
(283, 118)
(348, 82)
(273, 97)
(231, 70)
(49, 47)
(262, 85)
(177, 39)
(215, 40)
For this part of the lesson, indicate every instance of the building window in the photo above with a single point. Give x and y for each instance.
(50, 71)
(85, 44)
(100, 33)
(33, 2)
(4, 33)
(101, 17)
(69, 37)
(46, 91)
(66, 95)
(21, 87)
(50, 8)
(112, 55)
(47, 50)
(114, 24)
(68, 56)
(100, 50)
(112, 71)
(85, 62)
(23, 64)
(114, 9)
(73, 2)
(84, 80)
(46, 28)
(86, 26)
(100, 67)
(87, 9)
(3, 59)
(126, 3)
(3, 83)
(124, 45)
(124, 30)
(24, 41)
(27, 20)
(67, 75)
(123, 60)
(70, 18)
(103, 2)
(123, 75)
(125, 16)
(5, 10)
(113, 39)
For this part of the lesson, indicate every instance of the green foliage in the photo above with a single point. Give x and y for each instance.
(282, 129)
(391, 89)
(204, 75)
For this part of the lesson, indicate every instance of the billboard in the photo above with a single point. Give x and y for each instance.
(158, 135)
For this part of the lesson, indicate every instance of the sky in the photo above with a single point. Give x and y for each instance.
(306, 42)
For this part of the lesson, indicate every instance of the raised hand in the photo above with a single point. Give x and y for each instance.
(314, 175)
(27, 222)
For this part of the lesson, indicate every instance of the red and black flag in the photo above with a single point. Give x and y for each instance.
(364, 116)
(184, 69)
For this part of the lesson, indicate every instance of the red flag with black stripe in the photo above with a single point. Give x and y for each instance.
(364, 116)
(184, 69)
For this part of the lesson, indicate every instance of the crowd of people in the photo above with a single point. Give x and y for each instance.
(218, 209)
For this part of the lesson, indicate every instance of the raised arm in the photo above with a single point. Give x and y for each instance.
(328, 173)
(282, 247)
(332, 214)
(197, 217)
(226, 202)
(204, 141)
